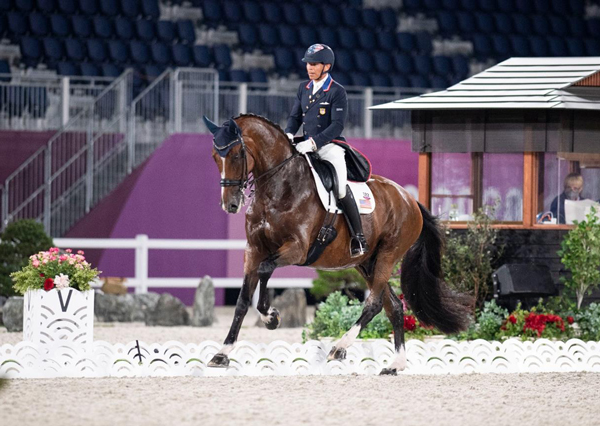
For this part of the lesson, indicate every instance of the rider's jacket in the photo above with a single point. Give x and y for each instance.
(323, 114)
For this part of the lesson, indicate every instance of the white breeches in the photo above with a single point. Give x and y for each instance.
(336, 155)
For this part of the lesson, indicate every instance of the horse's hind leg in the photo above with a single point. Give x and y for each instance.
(395, 312)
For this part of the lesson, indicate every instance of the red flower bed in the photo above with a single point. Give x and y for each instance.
(538, 322)
(410, 323)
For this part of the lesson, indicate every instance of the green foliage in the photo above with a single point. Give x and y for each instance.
(490, 319)
(588, 321)
(469, 258)
(20, 240)
(580, 253)
(346, 280)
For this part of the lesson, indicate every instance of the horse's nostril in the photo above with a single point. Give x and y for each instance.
(233, 208)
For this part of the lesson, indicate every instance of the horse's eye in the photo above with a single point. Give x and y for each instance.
(236, 157)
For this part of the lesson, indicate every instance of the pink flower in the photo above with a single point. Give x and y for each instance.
(35, 263)
(61, 281)
(62, 258)
(69, 251)
(80, 252)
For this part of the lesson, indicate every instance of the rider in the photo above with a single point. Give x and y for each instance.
(321, 107)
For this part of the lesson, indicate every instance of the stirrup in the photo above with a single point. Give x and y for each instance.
(358, 245)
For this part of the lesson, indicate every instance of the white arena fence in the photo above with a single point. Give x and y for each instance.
(142, 244)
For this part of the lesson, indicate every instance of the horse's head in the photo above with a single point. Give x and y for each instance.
(231, 157)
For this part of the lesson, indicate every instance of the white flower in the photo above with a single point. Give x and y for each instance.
(61, 281)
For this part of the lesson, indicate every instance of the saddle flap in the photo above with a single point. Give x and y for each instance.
(325, 171)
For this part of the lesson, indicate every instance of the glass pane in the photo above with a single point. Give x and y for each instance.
(591, 183)
(502, 184)
(553, 171)
(451, 194)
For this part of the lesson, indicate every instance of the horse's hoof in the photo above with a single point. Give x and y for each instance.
(274, 319)
(389, 372)
(337, 353)
(219, 361)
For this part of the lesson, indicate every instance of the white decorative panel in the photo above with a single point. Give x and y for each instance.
(138, 359)
(58, 319)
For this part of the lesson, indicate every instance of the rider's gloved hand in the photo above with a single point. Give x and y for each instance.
(308, 145)
(290, 137)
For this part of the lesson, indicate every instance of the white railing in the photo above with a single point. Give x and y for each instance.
(142, 244)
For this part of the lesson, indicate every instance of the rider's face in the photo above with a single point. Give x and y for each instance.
(316, 70)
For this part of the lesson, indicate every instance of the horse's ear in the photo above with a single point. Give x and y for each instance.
(211, 126)
(233, 127)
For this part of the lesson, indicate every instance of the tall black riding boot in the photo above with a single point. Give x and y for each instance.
(358, 244)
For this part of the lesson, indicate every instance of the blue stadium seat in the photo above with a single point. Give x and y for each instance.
(202, 56)
(557, 46)
(541, 6)
(60, 25)
(593, 26)
(89, 70)
(292, 14)
(419, 81)
(67, 68)
(182, 55)
(331, 16)
(284, 59)
(360, 79)
(413, 5)
(344, 61)
(75, 50)
(501, 45)
(577, 7)
(25, 6)
(389, 20)
(82, 26)
(466, 22)
(592, 47)
(46, 6)
(67, 7)
(311, 14)
(460, 67)
(503, 23)
(222, 56)
(232, 12)
(380, 80)
(150, 9)
(5, 6)
(17, 24)
(577, 26)
(485, 22)
(403, 63)
(3, 25)
(451, 5)
(118, 52)
(268, 35)
(561, 7)
(165, 30)
(130, 8)
(39, 24)
(488, 5)
(342, 78)
(423, 42)
(53, 50)
(145, 29)
(88, 7)
(140, 52)
(441, 65)
(423, 64)
(541, 25)
(301, 66)
(308, 36)
(252, 12)
(522, 25)
(383, 62)
(399, 80)
(506, 6)
(439, 82)
(524, 6)
(103, 27)
(37, 101)
(363, 61)
(247, 35)
(109, 7)
(96, 50)
(288, 35)
(366, 39)
(257, 75)
(539, 46)
(31, 51)
(370, 18)
(224, 76)
(386, 40)
(520, 46)
(240, 76)
(351, 17)
(469, 5)
(482, 45)
(447, 22)
(575, 46)
(152, 72)
(347, 38)
(111, 70)
(186, 31)
(124, 28)
(328, 36)
(161, 53)
(272, 12)
(432, 5)
(212, 12)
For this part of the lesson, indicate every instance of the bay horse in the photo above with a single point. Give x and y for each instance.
(285, 216)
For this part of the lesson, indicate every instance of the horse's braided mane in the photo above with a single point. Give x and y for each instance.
(265, 119)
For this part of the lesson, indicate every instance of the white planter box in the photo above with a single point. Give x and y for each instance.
(56, 318)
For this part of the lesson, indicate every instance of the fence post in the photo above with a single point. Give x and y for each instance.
(243, 98)
(216, 98)
(4, 211)
(65, 99)
(48, 188)
(177, 88)
(89, 178)
(368, 117)
(141, 263)
(131, 139)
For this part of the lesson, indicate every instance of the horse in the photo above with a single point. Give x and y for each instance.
(285, 215)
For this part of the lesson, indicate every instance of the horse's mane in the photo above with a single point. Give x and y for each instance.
(265, 119)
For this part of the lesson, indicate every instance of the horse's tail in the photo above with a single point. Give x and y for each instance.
(423, 287)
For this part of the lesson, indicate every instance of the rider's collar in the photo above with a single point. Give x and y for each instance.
(325, 83)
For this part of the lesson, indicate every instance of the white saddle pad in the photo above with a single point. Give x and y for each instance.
(362, 194)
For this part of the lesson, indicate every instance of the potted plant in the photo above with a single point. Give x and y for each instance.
(59, 301)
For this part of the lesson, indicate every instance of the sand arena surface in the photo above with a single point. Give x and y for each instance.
(465, 400)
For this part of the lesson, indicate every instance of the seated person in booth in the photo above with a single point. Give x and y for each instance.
(572, 191)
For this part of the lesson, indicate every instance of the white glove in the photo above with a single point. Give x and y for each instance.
(308, 145)
(290, 137)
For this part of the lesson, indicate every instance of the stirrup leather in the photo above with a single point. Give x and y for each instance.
(358, 243)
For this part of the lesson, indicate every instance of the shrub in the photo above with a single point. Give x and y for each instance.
(588, 321)
(347, 281)
(19, 241)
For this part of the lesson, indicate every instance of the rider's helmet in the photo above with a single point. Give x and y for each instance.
(319, 53)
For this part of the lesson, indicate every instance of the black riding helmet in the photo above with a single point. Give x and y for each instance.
(319, 53)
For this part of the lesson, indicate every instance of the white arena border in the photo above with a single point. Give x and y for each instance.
(138, 359)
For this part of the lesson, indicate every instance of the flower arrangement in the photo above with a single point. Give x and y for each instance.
(55, 269)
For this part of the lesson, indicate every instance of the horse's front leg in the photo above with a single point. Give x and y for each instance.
(221, 358)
